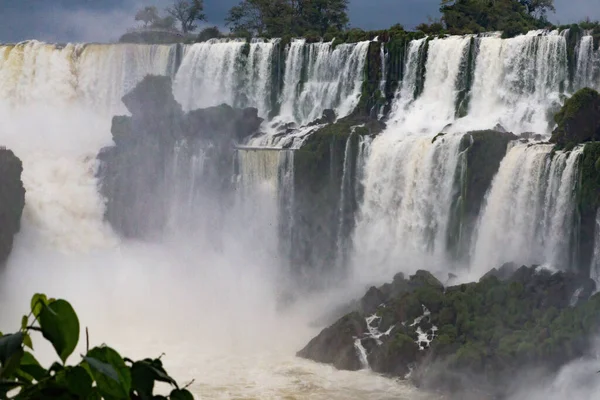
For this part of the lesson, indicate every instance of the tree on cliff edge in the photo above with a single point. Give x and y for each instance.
(277, 18)
(187, 13)
(148, 15)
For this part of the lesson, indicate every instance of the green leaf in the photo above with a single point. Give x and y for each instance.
(181, 394)
(60, 326)
(12, 364)
(79, 382)
(27, 341)
(38, 302)
(94, 395)
(6, 386)
(32, 367)
(24, 322)
(142, 379)
(9, 344)
(108, 368)
(103, 368)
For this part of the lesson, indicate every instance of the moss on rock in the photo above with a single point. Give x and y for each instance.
(578, 121)
(491, 329)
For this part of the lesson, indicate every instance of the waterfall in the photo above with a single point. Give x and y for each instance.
(408, 86)
(595, 267)
(409, 187)
(92, 76)
(529, 213)
(266, 198)
(218, 71)
(320, 77)
(587, 64)
(517, 81)
(345, 197)
(435, 107)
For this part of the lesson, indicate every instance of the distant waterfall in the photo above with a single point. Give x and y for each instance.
(529, 216)
(93, 76)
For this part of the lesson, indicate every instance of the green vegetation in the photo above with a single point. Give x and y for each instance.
(279, 18)
(497, 326)
(187, 13)
(578, 121)
(512, 17)
(101, 373)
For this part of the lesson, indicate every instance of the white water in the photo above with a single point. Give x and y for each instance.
(408, 86)
(435, 107)
(595, 266)
(588, 64)
(529, 213)
(216, 72)
(93, 76)
(224, 296)
(516, 81)
(333, 80)
(207, 299)
(403, 221)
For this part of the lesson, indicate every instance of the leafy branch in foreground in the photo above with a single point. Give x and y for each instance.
(101, 374)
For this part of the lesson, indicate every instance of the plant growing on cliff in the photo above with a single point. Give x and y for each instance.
(101, 373)
(187, 13)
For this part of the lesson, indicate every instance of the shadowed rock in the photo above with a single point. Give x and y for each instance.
(12, 200)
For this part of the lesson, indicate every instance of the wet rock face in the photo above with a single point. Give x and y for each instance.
(511, 321)
(160, 151)
(335, 345)
(578, 121)
(12, 200)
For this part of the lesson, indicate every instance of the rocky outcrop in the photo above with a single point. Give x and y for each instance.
(321, 223)
(482, 153)
(511, 321)
(12, 200)
(160, 152)
(578, 121)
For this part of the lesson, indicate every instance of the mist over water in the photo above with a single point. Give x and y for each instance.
(209, 294)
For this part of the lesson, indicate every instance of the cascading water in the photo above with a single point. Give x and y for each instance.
(409, 187)
(588, 64)
(435, 107)
(320, 77)
(530, 212)
(227, 71)
(55, 106)
(408, 88)
(517, 81)
(93, 76)
(595, 267)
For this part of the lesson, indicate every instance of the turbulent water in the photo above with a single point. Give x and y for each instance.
(212, 294)
(532, 198)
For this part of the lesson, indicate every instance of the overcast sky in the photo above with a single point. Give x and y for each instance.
(106, 20)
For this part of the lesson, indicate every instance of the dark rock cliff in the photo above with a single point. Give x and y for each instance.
(12, 200)
(161, 152)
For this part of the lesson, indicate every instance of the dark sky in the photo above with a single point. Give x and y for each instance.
(105, 20)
